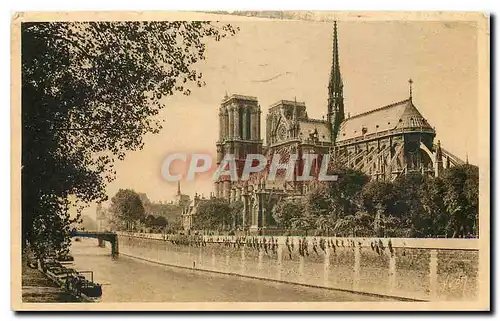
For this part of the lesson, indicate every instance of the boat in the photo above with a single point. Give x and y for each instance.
(66, 258)
(73, 281)
(80, 287)
(57, 272)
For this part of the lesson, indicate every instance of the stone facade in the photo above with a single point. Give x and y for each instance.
(189, 211)
(384, 143)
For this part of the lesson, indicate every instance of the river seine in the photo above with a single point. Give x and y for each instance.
(126, 279)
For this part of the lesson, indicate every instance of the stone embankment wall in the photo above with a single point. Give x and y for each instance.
(418, 269)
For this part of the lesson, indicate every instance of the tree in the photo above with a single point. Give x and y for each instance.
(318, 201)
(236, 214)
(212, 214)
(127, 208)
(359, 224)
(154, 222)
(287, 212)
(90, 92)
(345, 193)
(390, 227)
(145, 201)
(379, 195)
(160, 222)
(331, 201)
(408, 207)
(149, 220)
(379, 199)
(433, 218)
(303, 222)
(325, 223)
(320, 206)
(461, 198)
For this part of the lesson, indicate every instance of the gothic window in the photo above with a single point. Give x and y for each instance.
(226, 124)
(282, 132)
(240, 119)
(248, 124)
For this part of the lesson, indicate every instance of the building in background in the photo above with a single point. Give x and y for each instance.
(189, 212)
(181, 200)
(384, 143)
(102, 218)
(172, 210)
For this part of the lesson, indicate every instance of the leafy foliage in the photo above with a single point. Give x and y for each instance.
(461, 199)
(410, 206)
(288, 214)
(345, 193)
(90, 92)
(359, 224)
(126, 208)
(434, 218)
(213, 214)
(152, 221)
(379, 195)
(332, 201)
(236, 214)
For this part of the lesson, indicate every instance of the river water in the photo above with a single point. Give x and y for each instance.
(126, 279)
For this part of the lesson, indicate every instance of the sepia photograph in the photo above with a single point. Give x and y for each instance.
(250, 160)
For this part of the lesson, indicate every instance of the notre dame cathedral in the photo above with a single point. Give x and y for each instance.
(384, 143)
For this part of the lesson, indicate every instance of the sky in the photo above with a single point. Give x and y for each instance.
(376, 60)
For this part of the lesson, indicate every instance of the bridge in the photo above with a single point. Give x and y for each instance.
(101, 238)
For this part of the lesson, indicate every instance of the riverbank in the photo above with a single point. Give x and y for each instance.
(38, 288)
(127, 279)
(415, 269)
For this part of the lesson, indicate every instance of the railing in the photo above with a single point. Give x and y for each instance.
(421, 243)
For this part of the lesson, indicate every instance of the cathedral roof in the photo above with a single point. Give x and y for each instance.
(398, 116)
(308, 127)
(287, 102)
(239, 97)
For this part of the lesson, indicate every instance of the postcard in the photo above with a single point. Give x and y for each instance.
(250, 161)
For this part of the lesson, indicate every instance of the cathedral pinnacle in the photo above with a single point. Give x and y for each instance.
(410, 82)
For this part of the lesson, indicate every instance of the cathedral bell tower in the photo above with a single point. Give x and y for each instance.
(239, 135)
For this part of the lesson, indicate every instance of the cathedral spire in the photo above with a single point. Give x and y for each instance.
(335, 114)
(178, 187)
(295, 110)
(410, 83)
